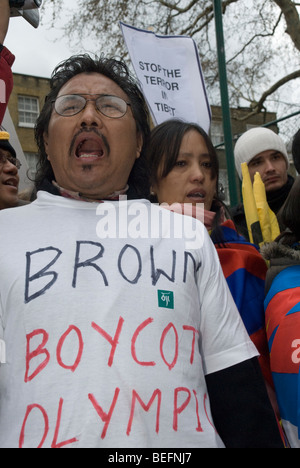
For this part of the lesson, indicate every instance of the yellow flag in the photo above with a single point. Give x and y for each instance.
(267, 218)
(251, 214)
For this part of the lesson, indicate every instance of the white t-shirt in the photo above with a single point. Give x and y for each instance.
(108, 326)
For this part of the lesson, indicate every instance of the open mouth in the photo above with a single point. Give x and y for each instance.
(11, 183)
(89, 147)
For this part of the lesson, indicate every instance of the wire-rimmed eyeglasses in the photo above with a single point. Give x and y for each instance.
(4, 158)
(110, 106)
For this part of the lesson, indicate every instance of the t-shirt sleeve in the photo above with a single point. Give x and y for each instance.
(224, 339)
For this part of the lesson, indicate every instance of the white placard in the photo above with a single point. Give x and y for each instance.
(169, 71)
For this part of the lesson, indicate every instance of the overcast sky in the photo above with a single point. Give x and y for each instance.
(37, 51)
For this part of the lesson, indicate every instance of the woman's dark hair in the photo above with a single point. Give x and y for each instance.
(289, 216)
(118, 72)
(162, 155)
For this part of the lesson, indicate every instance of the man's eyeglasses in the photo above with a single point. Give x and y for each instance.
(110, 106)
(4, 158)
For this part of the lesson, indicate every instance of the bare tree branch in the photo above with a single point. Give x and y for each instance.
(253, 38)
(251, 28)
(291, 15)
(258, 106)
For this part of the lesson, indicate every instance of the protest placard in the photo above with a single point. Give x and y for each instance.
(170, 75)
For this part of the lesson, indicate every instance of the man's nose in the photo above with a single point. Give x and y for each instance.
(90, 116)
(269, 166)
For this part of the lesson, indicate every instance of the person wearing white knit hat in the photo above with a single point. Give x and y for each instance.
(264, 152)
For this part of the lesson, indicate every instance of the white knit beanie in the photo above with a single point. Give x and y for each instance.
(254, 142)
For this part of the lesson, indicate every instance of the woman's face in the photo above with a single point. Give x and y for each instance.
(190, 180)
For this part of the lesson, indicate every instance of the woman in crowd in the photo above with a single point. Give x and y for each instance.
(184, 171)
(282, 306)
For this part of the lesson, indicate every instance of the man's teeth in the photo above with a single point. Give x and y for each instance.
(200, 195)
(88, 155)
(88, 149)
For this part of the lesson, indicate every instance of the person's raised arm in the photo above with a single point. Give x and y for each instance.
(4, 19)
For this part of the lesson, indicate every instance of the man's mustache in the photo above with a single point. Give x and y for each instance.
(87, 130)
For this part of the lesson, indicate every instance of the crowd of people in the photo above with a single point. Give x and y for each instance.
(134, 311)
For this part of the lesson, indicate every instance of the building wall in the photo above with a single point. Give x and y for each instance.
(31, 86)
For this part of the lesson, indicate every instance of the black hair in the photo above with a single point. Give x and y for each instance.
(118, 72)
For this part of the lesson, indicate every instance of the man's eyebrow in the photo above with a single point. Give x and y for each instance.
(258, 157)
(255, 159)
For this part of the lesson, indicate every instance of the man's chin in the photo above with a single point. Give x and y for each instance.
(272, 187)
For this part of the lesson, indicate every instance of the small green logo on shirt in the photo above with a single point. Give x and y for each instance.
(165, 299)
